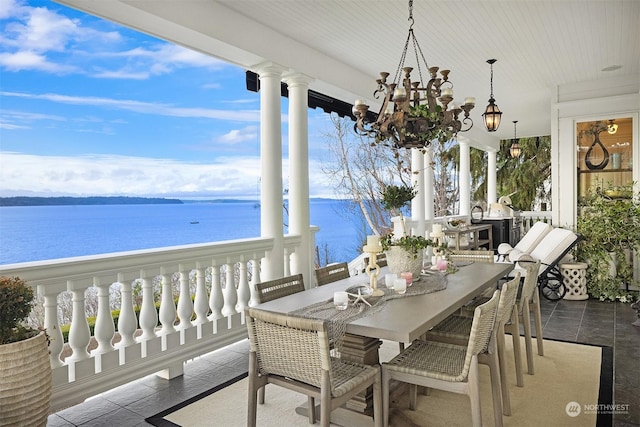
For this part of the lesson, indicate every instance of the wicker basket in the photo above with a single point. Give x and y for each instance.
(25, 382)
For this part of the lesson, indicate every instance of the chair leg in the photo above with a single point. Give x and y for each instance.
(474, 394)
(377, 401)
(252, 401)
(502, 363)
(385, 397)
(413, 396)
(311, 403)
(536, 315)
(528, 341)
(261, 395)
(517, 354)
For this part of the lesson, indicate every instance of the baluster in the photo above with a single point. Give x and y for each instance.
(255, 278)
(216, 300)
(148, 314)
(79, 333)
(201, 305)
(104, 329)
(167, 306)
(287, 262)
(185, 305)
(127, 322)
(52, 325)
(244, 293)
(230, 293)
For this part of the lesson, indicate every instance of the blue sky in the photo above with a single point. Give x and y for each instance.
(89, 107)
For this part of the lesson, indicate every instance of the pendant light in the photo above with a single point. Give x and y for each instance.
(515, 149)
(492, 113)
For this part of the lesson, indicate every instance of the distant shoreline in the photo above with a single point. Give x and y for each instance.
(95, 200)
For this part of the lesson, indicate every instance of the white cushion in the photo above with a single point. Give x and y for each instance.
(535, 234)
(552, 246)
(504, 248)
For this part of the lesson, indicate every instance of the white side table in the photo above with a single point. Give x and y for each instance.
(574, 277)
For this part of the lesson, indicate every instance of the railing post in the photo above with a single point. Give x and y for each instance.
(148, 312)
(167, 306)
(104, 329)
(230, 292)
(255, 278)
(244, 293)
(201, 306)
(216, 299)
(79, 333)
(185, 305)
(51, 324)
(127, 322)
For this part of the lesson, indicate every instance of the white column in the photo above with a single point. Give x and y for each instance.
(492, 192)
(271, 164)
(418, 202)
(429, 211)
(465, 178)
(299, 216)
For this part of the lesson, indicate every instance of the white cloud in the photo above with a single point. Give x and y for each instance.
(113, 175)
(235, 136)
(143, 107)
(29, 60)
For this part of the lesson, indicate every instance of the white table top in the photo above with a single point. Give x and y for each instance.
(403, 319)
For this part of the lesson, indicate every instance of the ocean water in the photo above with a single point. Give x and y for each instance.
(33, 233)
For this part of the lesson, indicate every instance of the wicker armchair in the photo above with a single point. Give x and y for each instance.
(475, 256)
(456, 329)
(444, 366)
(293, 352)
(331, 273)
(278, 288)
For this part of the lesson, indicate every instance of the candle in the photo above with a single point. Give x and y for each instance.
(447, 92)
(341, 300)
(436, 229)
(470, 100)
(400, 286)
(389, 109)
(408, 277)
(373, 241)
(389, 280)
(442, 264)
(359, 102)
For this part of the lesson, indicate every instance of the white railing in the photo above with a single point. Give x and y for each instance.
(208, 314)
(531, 217)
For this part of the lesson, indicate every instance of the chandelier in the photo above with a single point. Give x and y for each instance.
(413, 114)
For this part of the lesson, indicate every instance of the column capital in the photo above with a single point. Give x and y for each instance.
(295, 78)
(268, 68)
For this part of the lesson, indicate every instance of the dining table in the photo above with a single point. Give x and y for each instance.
(400, 319)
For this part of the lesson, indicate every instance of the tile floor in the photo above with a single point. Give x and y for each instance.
(590, 321)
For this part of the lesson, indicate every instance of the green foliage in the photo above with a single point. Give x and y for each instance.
(608, 226)
(16, 300)
(395, 197)
(412, 244)
(425, 126)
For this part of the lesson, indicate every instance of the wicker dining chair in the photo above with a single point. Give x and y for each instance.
(331, 273)
(274, 289)
(294, 353)
(469, 255)
(278, 288)
(528, 301)
(444, 366)
(455, 329)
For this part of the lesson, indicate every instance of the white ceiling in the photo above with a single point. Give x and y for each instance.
(342, 44)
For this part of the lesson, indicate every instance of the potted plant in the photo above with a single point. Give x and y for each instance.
(610, 229)
(25, 369)
(404, 254)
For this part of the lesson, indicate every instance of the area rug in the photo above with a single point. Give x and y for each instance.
(572, 386)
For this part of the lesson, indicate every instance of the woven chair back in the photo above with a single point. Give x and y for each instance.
(508, 296)
(484, 318)
(278, 288)
(531, 278)
(331, 273)
(288, 346)
(475, 256)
